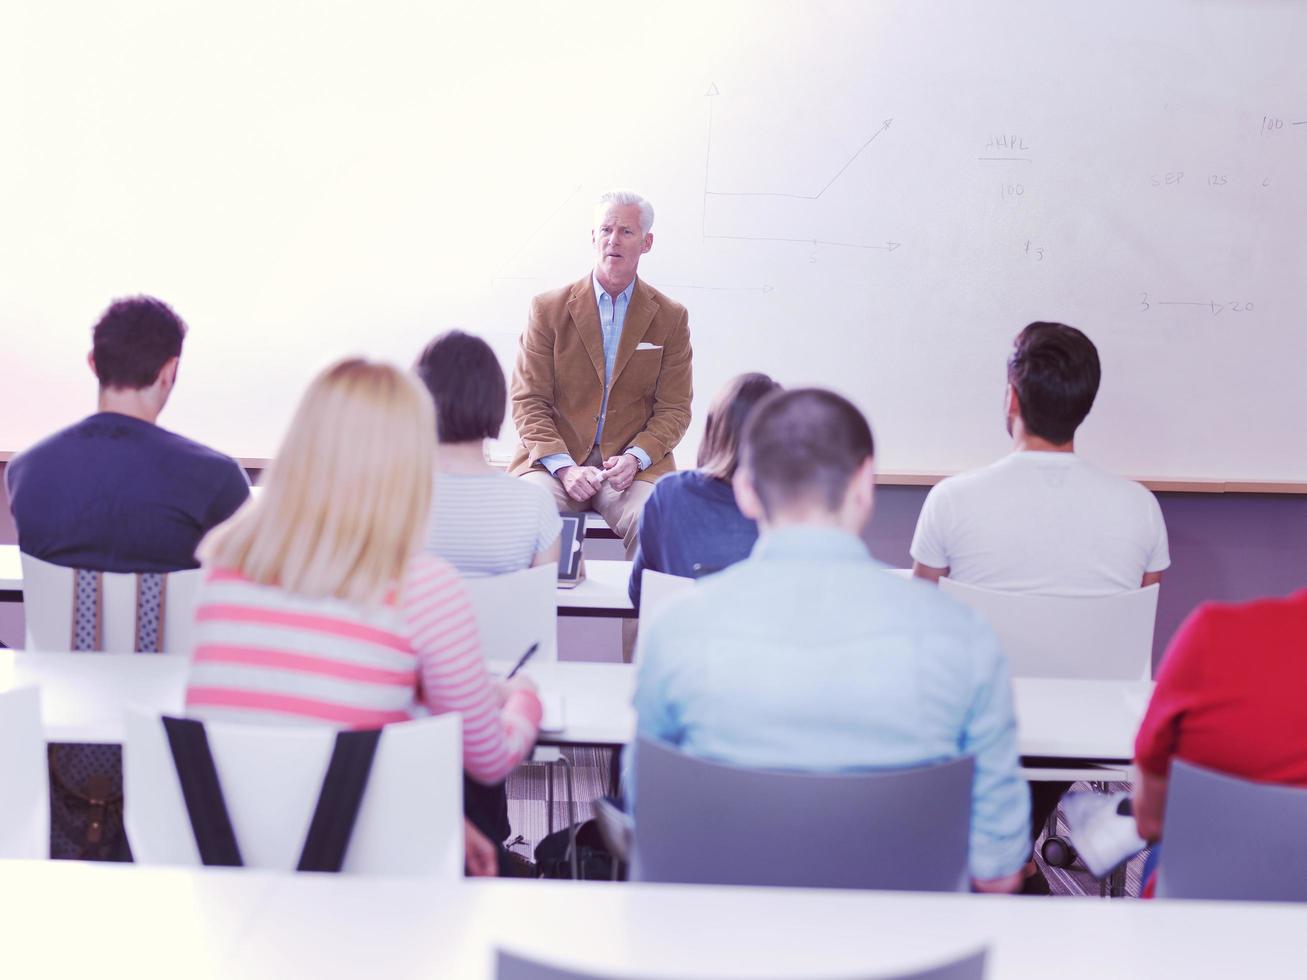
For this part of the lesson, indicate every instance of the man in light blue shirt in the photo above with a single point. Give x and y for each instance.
(810, 655)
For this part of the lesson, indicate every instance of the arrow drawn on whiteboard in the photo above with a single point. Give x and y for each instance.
(721, 289)
(1211, 304)
(887, 247)
(531, 237)
(801, 197)
(703, 215)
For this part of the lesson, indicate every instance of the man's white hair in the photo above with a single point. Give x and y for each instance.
(623, 198)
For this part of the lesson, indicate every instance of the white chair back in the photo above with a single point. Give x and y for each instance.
(515, 610)
(48, 608)
(410, 821)
(24, 777)
(1100, 638)
(655, 589)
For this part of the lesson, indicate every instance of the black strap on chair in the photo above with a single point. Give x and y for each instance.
(334, 816)
(205, 804)
(339, 802)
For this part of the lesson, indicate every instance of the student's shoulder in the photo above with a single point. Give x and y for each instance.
(524, 496)
(50, 456)
(962, 491)
(974, 480)
(1123, 488)
(428, 574)
(196, 452)
(1233, 625)
(675, 485)
(56, 443)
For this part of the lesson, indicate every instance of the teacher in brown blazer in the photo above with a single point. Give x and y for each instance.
(601, 389)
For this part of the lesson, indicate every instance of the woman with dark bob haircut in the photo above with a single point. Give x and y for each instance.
(691, 525)
(483, 522)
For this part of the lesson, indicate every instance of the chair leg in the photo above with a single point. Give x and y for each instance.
(549, 798)
(1116, 888)
(571, 813)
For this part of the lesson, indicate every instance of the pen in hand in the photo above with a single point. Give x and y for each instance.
(530, 651)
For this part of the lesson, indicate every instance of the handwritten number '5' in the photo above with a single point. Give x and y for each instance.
(1144, 306)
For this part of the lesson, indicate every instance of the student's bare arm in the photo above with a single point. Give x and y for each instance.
(1149, 804)
(1151, 578)
(550, 554)
(928, 572)
(999, 886)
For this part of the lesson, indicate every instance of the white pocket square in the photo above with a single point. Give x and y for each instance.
(648, 346)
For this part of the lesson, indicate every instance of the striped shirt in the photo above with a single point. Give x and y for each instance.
(267, 656)
(490, 524)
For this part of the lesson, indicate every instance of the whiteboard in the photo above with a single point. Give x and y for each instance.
(874, 197)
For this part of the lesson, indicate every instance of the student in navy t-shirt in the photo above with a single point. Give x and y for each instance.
(691, 525)
(115, 492)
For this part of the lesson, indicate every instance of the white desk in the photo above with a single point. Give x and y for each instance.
(84, 696)
(603, 593)
(1104, 715)
(164, 922)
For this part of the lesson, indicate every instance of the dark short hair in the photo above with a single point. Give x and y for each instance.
(804, 445)
(719, 453)
(134, 338)
(467, 385)
(1054, 371)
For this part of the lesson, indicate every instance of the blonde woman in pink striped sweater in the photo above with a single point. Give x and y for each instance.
(319, 606)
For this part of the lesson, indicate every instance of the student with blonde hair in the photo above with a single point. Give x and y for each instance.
(318, 604)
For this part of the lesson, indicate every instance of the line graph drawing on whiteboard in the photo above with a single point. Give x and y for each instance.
(711, 96)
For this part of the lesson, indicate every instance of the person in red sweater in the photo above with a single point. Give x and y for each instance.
(1229, 697)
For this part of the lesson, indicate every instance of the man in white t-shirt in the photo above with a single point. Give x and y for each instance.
(1043, 520)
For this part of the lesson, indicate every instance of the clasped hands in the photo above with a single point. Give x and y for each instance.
(583, 482)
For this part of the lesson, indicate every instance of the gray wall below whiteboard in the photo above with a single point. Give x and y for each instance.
(1223, 546)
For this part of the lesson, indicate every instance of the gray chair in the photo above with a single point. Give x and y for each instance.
(509, 966)
(1228, 838)
(700, 822)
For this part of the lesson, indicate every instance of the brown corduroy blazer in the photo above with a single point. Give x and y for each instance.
(558, 380)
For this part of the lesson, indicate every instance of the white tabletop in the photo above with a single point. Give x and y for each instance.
(84, 695)
(1077, 721)
(603, 593)
(152, 922)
